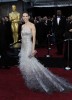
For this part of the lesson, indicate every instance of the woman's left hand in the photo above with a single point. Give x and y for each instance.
(34, 52)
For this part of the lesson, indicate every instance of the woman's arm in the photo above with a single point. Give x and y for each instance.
(33, 38)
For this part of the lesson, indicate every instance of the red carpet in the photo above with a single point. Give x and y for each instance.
(12, 86)
(42, 52)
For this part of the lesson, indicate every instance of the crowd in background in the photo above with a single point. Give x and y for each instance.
(44, 29)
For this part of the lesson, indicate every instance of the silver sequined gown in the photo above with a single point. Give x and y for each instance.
(38, 77)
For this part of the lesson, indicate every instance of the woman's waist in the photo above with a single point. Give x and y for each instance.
(26, 38)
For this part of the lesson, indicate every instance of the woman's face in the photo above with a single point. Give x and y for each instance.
(25, 17)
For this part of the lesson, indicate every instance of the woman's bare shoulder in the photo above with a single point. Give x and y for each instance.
(32, 24)
(23, 25)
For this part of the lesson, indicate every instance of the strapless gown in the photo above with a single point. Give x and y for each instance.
(36, 75)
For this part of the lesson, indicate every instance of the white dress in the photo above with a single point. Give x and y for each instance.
(38, 77)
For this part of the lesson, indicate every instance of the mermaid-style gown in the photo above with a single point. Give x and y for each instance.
(35, 74)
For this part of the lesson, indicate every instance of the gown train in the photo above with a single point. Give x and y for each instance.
(38, 77)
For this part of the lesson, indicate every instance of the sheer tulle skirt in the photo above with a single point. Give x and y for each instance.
(38, 77)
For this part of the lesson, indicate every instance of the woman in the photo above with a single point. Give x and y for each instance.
(35, 74)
